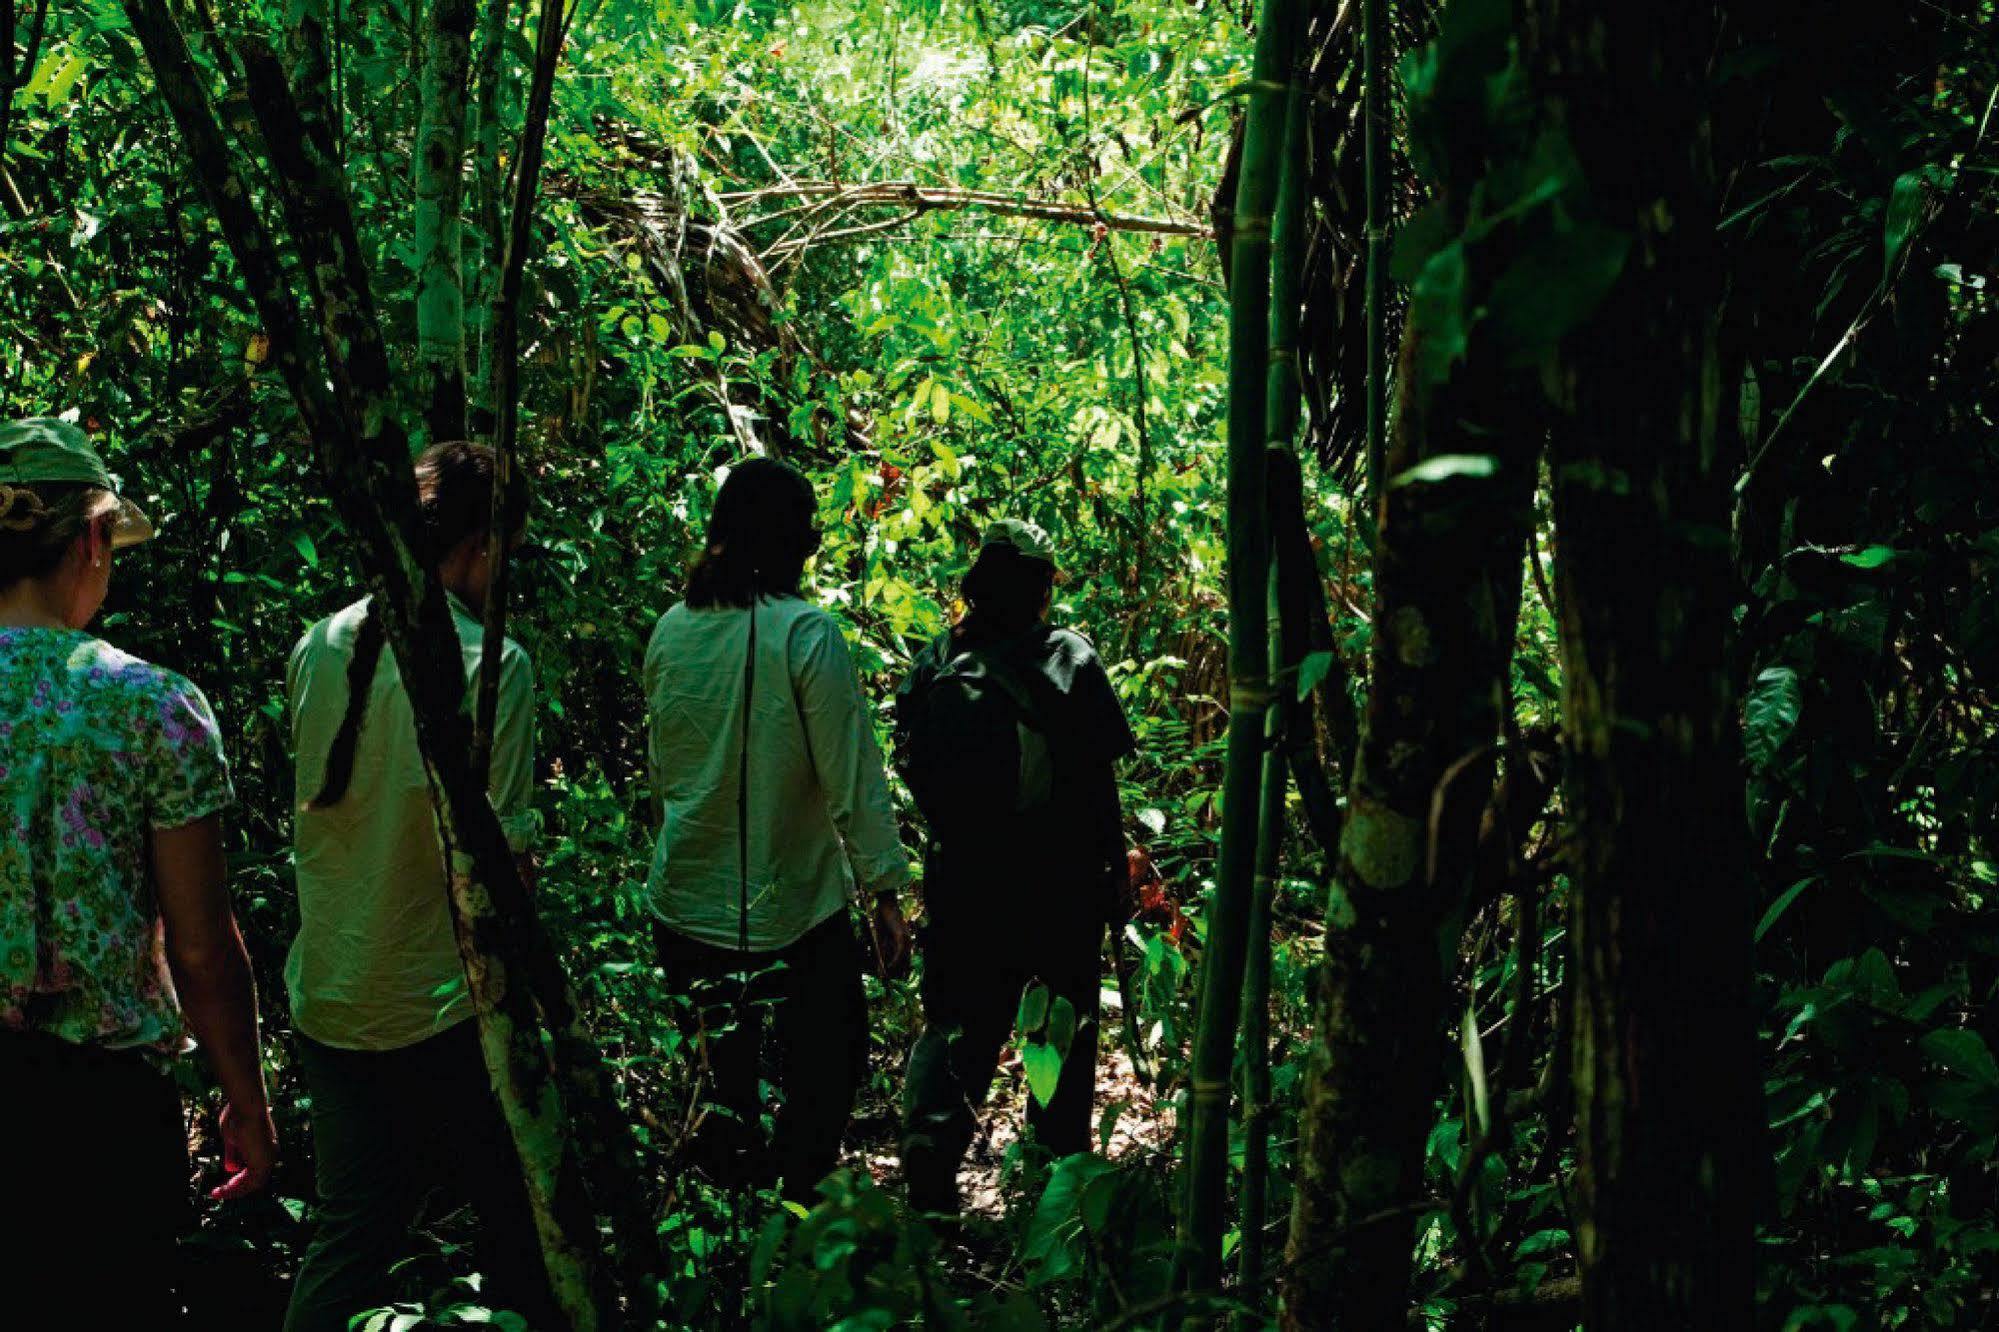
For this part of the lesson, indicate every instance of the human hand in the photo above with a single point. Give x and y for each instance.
(892, 937)
(249, 1154)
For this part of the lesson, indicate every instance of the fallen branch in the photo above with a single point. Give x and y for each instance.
(920, 199)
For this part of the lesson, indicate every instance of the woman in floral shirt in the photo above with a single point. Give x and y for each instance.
(116, 937)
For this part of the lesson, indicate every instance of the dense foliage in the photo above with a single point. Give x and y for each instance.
(960, 262)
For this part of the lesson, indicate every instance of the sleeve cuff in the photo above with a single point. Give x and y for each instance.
(887, 873)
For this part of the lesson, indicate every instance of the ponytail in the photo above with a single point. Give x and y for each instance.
(454, 488)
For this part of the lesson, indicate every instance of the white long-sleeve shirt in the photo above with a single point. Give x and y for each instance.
(818, 811)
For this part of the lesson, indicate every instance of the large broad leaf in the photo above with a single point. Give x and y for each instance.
(1049, 1246)
(1905, 208)
(1043, 1065)
(1770, 714)
(1553, 287)
(1963, 1053)
(1033, 1010)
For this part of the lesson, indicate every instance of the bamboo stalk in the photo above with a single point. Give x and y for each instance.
(549, 35)
(489, 184)
(438, 181)
(1198, 1260)
(1281, 410)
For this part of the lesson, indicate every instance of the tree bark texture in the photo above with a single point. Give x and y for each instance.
(1448, 568)
(1667, 1104)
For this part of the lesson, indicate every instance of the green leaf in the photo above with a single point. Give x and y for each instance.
(1905, 208)
(1474, 1050)
(1963, 1053)
(1033, 1010)
(1313, 671)
(306, 550)
(1439, 317)
(1770, 714)
(940, 404)
(1062, 1025)
(1783, 904)
(1417, 240)
(1446, 467)
(1042, 1063)
(1048, 1245)
(1871, 558)
(1554, 287)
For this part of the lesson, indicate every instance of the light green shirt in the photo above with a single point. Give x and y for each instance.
(375, 965)
(815, 795)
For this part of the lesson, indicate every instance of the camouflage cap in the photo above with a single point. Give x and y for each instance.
(43, 450)
(1030, 541)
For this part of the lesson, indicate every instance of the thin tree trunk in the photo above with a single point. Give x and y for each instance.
(1198, 1261)
(489, 185)
(1448, 567)
(1281, 404)
(551, 31)
(364, 459)
(1668, 1113)
(438, 181)
(1375, 109)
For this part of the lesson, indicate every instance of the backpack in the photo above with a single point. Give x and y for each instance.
(976, 751)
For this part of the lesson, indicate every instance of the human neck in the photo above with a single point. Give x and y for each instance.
(464, 589)
(30, 603)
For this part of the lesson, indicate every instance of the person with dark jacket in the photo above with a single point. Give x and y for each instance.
(1008, 731)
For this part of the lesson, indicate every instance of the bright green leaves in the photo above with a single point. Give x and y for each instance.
(1045, 1030)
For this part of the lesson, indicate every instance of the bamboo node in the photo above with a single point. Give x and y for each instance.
(1251, 695)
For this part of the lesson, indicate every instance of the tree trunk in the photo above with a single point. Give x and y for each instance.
(438, 179)
(363, 457)
(489, 185)
(1281, 402)
(1448, 565)
(1667, 1105)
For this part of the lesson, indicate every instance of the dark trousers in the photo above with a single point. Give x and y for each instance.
(801, 1004)
(389, 1127)
(93, 1192)
(972, 984)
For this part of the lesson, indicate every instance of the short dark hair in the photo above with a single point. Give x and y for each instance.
(759, 537)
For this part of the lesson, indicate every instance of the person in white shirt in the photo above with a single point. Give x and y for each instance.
(774, 813)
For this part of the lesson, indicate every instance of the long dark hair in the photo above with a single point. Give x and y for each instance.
(759, 537)
(454, 495)
(1006, 592)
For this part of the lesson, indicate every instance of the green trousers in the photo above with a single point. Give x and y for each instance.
(389, 1129)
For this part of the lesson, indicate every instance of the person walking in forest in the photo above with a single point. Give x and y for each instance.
(116, 935)
(773, 808)
(387, 1042)
(1007, 731)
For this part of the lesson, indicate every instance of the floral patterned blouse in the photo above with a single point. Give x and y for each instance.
(97, 749)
